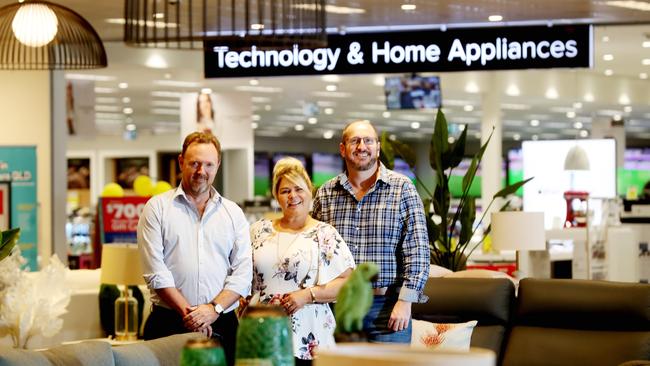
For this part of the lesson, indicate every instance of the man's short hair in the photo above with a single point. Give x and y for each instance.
(345, 129)
(201, 138)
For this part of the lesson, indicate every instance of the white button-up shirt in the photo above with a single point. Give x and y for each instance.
(200, 256)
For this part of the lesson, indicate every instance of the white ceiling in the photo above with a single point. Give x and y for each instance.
(622, 93)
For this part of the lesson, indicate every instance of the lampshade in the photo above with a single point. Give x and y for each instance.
(576, 159)
(39, 35)
(517, 230)
(121, 264)
(269, 24)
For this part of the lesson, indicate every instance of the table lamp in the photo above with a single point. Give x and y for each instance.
(518, 230)
(121, 266)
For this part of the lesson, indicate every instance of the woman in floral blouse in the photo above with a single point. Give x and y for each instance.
(299, 263)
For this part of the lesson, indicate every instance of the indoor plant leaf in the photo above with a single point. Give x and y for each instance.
(386, 153)
(511, 188)
(439, 143)
(9, 240)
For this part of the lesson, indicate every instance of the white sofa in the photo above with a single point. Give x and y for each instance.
(82, 318)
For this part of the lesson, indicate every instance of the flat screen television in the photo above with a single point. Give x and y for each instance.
(413, 92)
(324, 167)
(635, 171)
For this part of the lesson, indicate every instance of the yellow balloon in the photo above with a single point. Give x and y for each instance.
(112, 190)
(142, 186)
(161, 187)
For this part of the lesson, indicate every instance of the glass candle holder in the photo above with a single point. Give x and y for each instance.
(203, 352)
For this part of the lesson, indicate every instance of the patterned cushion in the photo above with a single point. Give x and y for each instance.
(442, 336)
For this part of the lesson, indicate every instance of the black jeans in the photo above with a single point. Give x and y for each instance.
(164, 322)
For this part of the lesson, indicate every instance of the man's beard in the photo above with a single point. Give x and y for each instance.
(200, 185)
(371, 164)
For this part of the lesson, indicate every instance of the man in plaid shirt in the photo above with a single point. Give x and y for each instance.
(380, 216)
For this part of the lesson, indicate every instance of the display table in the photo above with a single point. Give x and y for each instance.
(373, 354)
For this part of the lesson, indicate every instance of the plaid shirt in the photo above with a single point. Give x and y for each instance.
(386, 227)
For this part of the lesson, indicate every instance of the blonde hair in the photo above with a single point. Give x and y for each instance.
(293, 170)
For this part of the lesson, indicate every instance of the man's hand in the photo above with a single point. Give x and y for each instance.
(199, 317)
(206, 330)
(400, 316)
(294, 301)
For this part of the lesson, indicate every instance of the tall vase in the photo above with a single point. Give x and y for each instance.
(265, 334)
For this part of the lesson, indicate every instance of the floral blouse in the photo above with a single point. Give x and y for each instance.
(285, 262)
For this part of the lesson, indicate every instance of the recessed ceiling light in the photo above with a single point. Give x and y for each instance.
(312, 120)
(495, 18)
(123, 85)
(471, 87)
(624, 99)
(256, 117)
(158, 15)
(206, 91)
(100, 90)
(646, 61)
(643, 75)
(534, 122)
(627, 109)
(156, 61)
(127, 110)
(299, 127)
(516, 137)
(415, 125)
(577, 125)
(617, 117)
(588, 97)
(608, 57)
(331, 88)
(328, 111)
(461, 128)
(584, 133)
(386, 114)
(577, 105)
(331, 9)
(605, 39)
(126, 100)
(328, 134)
(551, 93)
(609, 72)
(257, 26)
(130, 127)
(571, 114)
(535, 137)
(468, 108)
(513, 91)
(331, 78)
(408, 7)
(254, 125)
(451, 139)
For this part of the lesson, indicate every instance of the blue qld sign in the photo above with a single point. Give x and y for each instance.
(471, 49)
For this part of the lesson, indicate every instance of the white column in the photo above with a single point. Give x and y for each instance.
(491, 124)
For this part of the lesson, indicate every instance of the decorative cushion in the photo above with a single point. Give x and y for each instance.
(437, 271)
(442, 336)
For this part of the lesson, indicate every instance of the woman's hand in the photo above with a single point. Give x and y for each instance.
(294, 301)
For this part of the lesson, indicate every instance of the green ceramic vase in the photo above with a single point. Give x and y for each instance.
(203, 352)
(265, 334)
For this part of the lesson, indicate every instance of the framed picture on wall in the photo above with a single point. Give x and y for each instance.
(127, 169)
(78, 173)
(5, 205)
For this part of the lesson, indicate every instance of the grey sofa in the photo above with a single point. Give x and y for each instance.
(549, 322)
(163, 351)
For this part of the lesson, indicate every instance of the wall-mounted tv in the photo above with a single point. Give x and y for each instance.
(413, 92)
(325, 166)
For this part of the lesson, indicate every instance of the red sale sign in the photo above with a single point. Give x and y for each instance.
(120, 217)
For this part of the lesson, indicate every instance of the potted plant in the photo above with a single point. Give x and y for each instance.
(448, 249)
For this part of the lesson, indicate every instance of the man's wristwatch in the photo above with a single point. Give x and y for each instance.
(218, 308)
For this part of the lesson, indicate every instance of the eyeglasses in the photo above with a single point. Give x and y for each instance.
(355, 141)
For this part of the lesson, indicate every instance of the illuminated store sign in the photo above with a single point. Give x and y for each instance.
(503, 48)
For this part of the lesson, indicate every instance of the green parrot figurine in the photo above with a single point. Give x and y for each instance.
(354, 299)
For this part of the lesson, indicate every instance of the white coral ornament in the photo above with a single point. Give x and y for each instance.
(31, 304)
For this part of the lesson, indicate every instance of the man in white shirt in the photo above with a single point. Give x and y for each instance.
(195, 251)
